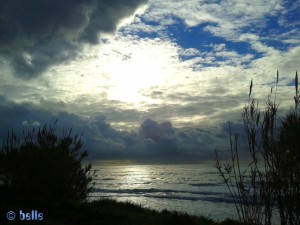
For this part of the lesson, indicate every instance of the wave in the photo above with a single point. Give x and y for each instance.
(191, 198)
(204, 184)
(166, 194)
(106, 179)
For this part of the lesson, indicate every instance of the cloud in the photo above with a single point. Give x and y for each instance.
(220, 17)
(186, 143)
(234, 21)
(38, 34)
(156, 132)
(155, 141)
(99, 138)
(196, 86)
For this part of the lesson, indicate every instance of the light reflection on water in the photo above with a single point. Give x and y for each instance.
(194, 189)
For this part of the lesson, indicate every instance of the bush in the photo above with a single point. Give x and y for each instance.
(46, 165)
(271, 181)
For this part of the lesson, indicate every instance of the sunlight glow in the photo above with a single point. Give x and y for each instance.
(137, 176)
(117, 73)
(131, 73)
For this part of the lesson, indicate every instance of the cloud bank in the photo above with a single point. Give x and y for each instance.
(153, 142)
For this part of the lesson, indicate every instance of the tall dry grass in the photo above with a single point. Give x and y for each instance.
(270, 184)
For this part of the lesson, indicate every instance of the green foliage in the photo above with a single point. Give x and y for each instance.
(45, 165)
(271, 183)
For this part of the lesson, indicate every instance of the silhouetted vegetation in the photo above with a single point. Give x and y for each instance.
(44, 165)
(106, 212)
(270, 184)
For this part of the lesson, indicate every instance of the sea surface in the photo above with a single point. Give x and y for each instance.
(193, 189)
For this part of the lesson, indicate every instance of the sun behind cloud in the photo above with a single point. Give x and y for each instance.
(134, 69)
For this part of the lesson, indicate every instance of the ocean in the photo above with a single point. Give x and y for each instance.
(193, 189)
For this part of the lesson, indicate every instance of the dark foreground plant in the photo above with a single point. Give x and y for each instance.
(46, 165)
(270, 184)
(109, 212)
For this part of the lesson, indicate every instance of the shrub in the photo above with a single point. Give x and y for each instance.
(46, 165)
(271, 181)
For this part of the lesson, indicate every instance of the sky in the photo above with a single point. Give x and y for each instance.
(156, 80)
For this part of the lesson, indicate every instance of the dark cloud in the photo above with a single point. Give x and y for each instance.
(99, 138)
(187, 144)
(155, 131)
(159, 138)
(154, 141)
(35, 34)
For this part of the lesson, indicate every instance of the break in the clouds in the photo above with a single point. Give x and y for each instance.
(145, 78)
(37, 34)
